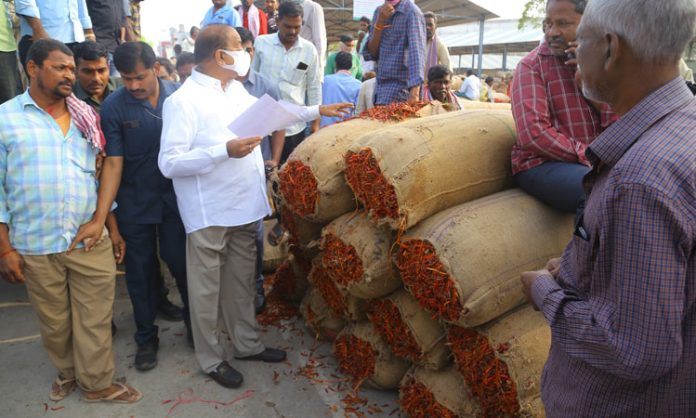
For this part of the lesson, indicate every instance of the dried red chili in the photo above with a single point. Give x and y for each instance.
(387, 319)
(365, 177)
(298, 185)
(417, 401)
(355, 357)
(288, 220)
(343, 264)
(394, 112)
(424, 275)
(332, 296)
(486, 375)
(277, 308)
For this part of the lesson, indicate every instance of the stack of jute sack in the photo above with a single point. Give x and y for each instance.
(417, 238)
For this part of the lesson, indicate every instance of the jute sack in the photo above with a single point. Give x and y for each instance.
(312, 184)
(319, 318)
(502, 362)
(302, 232)
(409, 330)
(464, 263)
(356, 256)
(475, 105)
(406, 173)
(425, 393)
(365, 357)
(290, 285)
(272, 256)
(339, 301)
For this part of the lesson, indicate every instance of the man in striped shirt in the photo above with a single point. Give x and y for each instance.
(52, 214)
(621, 302)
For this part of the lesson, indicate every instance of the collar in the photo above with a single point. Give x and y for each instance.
(252, 78)
(344, 72)
(220, 10)
(618, 138)
(276, 41)
(25, 100)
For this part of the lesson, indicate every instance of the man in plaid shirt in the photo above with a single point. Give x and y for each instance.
(555, 123)
(397, 43)
(621, 302)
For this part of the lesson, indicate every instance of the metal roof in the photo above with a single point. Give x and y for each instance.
(338, 14)
(499, 35)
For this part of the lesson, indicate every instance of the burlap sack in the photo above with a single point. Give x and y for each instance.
(302, 232)
(386, 370)
(475, 105)
(323, 194)
(519, 343)
(423, 393)
(431, 164)
(409, 330)
(464, 263)
(289, 284)
(319, 318)
(356, 256)
(272, 256)
(339, 301)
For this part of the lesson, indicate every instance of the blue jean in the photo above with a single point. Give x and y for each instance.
(557, 184)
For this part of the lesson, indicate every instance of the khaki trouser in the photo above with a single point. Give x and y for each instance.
(73, 296)
(221, 266)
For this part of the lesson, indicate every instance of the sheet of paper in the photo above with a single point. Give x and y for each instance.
(264, 117)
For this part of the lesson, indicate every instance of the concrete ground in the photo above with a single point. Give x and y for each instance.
(177, 388)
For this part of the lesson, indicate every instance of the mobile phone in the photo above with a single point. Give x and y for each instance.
(570, 56)
(302, 66)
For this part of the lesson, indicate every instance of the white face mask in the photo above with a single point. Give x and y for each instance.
(242, 62)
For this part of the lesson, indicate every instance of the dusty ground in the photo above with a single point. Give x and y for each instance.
(177, 388)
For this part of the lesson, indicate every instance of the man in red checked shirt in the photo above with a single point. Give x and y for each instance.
(555, 123)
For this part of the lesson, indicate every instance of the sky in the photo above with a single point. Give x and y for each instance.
(157, 16)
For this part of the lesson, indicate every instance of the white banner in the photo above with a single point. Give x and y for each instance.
(365, 8)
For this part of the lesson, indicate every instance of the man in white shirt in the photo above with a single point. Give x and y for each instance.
(314, 29)
(471, 88)
(292, 63)
(220, 186)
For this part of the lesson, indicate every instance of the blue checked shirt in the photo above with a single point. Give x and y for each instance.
(301, 86)
(401, 60)
(48, 181)
(623, 308)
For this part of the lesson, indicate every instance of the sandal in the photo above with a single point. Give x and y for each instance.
(124, 394)
(61, 388)
(276, 235)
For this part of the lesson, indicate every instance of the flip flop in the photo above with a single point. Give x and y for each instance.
(134, 395)
(61, 388)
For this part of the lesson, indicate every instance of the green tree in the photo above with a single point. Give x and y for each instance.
(533, 13)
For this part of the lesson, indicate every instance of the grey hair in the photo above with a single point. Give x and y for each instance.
(656, 31)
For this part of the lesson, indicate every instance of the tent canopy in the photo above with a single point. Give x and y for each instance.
(338, 14)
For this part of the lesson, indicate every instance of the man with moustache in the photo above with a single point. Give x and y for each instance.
(438, 88)
(52, 214)
(147, 212)
(621, 302)
(555, 123)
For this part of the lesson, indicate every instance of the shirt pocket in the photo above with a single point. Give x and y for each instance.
(82, 156)
(294, 75)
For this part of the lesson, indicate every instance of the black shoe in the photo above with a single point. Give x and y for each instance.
(169, 311)
(146, 356)
(227, 376)
(114, 330)
(269, 355)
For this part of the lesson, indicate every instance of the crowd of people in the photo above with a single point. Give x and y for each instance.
(114, 155)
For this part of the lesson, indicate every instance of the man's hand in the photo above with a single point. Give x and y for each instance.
(528, 278)
(240, 148)
(12, 267)
(385, 14)
(338, 110)
(99, 163)
(90, 36)
(89, 234)
(553, 266)
(118, 245)
(572, 46)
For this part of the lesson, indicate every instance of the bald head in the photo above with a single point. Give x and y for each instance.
(214, 38)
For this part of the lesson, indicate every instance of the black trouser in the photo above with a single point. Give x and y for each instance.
(142, 268)
(291, 142)
(8, 76)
